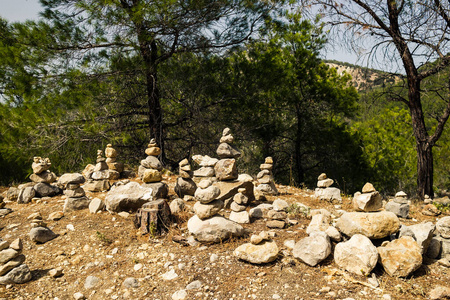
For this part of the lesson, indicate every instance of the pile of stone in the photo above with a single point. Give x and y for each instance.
(42, 179)
(369, 200)
(206, 170)
(277, 214)
(185, 185)
(12, 267)
(324, 191)
(238, 207)
(265, 178)
(225, 169)
(98, 176)
(150, 171)
(75, 194)
(115, 168)
(260, 250)
(39, 233)
(206, 225)
(399, 206)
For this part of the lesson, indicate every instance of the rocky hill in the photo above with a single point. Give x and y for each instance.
(365, 78)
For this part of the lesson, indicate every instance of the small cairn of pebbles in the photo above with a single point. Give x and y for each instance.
(225, 168)
(185, 185)
(324, 191)
(265, 178)
(98, 178)
(238, 207)
(369, 200)
(399, 206)
(115, 168)
(150, 168)
(13, 270)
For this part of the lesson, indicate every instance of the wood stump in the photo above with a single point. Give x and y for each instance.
(153, 218)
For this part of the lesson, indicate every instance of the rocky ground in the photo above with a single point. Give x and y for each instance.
(102, 256)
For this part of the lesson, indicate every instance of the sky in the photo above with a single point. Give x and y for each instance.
(21, 10)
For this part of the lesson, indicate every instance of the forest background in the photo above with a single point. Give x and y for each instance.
(92, 73)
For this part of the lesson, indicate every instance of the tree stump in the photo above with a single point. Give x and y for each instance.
(153, 218)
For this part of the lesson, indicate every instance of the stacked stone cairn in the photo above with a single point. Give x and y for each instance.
(185, 186)
(13, 270)
(75, 195)
(369, 200)
(238, 207)
(206, 170)
(115, 168)
(42, 179)
(39, 233)
(265, 178)
(150, 171)
(324, 191)
(225, 169)
(206, 225)
(277, 214)
(399, 205)
(98, 178)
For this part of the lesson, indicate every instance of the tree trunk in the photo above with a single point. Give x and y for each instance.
(297, 146)
(153, 218)
(424, 170)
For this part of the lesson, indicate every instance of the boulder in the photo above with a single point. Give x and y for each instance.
(319, 222)
(400, 257)
(151, 175)
(226, 151)
(41, 235)
(375, 225)
(72, 204)
(46, 190)
(280, 205)
(268, 188)
(204, 172)
(367, 202)
(225, 169)
(153, 151)
(207, 195)
(434, 249)
(443, 227)
(185, 186)
(214, 229)
(257, 254)
(26, 194)
(96, 205)
(357, 255)
(241, 217)
(368, 188)
(325, 183)
(176, 206)
(97, 185)
(151, 162)
(71, 178)
(205, 160)
(276, 215)
(12, 194)
(422, 234)
(75, 193)
(276, 224)
(313, 249)
(130, 196)
(400, 209)
(204, 211)
(115, 166)
(46, 176)
(329, 194)
(159, 189)
(18, 275)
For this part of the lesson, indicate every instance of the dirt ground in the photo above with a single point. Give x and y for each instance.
(108, 247)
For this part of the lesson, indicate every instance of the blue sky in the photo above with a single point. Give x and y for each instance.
(21, 10)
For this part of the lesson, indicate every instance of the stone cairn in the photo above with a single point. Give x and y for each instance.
(12, 267)
(150, 171)
(185, 186)
(76, 197)
(324, 191)
(369, 200)
(115, 168)
(150, 168)
(399, 205)
(39, 233)
(225, 169)
(42, 179)
(238, 207)
(98, 177)
(206, 170)
(207, 205)
(265, 178)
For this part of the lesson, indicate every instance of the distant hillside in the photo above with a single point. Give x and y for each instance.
(364, 78)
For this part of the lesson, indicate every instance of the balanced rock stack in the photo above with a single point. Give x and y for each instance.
(277, 214)
(185, 185)
(399, 206)
(150, 171)
(324, 191)
(206, 170)
(225, 168)
(76, 198)
(98, 179)
(265, 178)
(206, 225)
(369, 200)
(12, 267)
(42, 178)
(115, 168)
(260, 250)
(238, 207)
